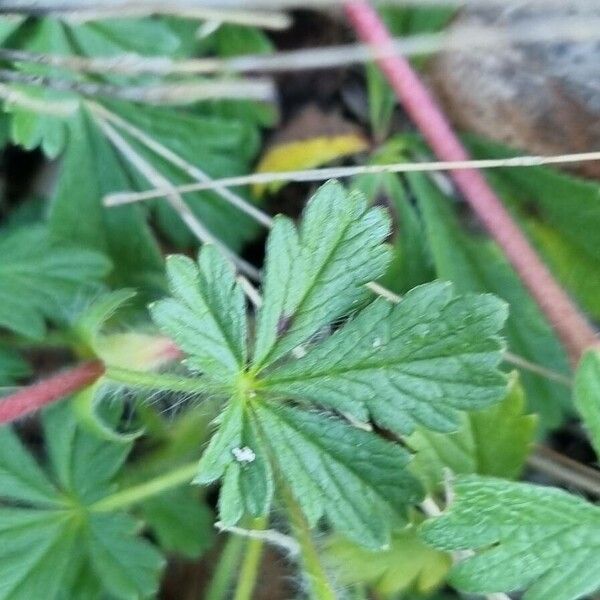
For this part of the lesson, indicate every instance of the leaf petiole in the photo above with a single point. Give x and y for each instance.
(138, 493)
(252, 558)
(319, 585)
(159, 381)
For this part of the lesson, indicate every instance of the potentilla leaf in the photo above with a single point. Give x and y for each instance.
(354, 478)
(207, 314)
(50, 533)
(421, 361)
(418, 362)
(316, 274)
(41, 277)
(542, 540)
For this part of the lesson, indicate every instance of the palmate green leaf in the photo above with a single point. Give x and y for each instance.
(316, 274)
(52, 544)
(207, 315)
(532, 538)
(586, 395)
(41, 278)
(494, 441)
(475, 265)
(418, 362)
(95, 38)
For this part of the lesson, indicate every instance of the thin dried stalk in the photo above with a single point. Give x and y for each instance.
(166, 93)
(343, 172)
(534, 30)
(173, 197)
(188, 168)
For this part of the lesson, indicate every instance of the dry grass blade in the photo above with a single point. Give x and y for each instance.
(344, 172)
(173, 197)
(167, 93)
(535, 30)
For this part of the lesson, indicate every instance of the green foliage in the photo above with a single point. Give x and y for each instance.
(12, 366)
(212, 138)
(408, 564)
(401, 22)
(475, 264)
(530, 537)
(435, 355)
(494, 441)
(561, 213)
(91, 169)
(316, 275)
(42, 277)
(587, 395)
(181, 522)
(53, 543)
(411, 263)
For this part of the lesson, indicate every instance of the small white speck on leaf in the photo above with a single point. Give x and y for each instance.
(244, 455)
(377, 343)
(299, 352)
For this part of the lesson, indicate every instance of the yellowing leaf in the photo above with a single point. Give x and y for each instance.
(306, 154)
(407, 564)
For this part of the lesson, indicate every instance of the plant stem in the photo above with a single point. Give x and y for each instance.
(226, 568)
(46, 391)
(138, 493)
(571, 326)
(320, 588)
(160, 381)
(565, 470)
(249, 572)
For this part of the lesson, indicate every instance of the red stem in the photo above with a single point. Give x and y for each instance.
(575, 332)
(49, 390)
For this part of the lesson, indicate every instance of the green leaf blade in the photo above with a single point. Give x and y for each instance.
(529, 537)
(587, 395)
(40, 277)
(206, 316)
(316, 275)
(494, 441)
(475, 265)
(417, 362)
(127, 566)
(355, 479)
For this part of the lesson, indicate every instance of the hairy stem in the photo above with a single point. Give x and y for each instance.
(47, 391)
(249, 572)
(157, 381)
(138, 493)
(571, 326)
(227, 566)
(319, 585)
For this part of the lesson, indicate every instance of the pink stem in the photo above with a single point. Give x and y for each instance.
(571, 326)
(37, 395)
